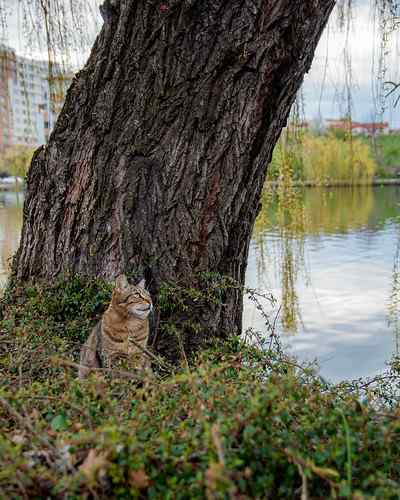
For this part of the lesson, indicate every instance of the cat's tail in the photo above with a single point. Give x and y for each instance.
(83, 372)
(89, 357)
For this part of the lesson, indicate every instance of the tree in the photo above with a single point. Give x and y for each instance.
(157, 161)
(16, 160)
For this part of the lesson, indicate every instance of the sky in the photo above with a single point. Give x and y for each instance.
(324, 93)
(324, 88)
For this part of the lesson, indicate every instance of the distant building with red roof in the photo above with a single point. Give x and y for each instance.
(367, 128)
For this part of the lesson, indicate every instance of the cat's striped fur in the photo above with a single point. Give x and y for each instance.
(123, 327)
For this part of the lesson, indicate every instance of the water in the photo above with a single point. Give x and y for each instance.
(337, 280)
(10, 229)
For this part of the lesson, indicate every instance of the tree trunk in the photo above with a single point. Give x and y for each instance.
(157, 161)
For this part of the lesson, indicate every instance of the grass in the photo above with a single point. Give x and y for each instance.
(241, 422)
(388, 150)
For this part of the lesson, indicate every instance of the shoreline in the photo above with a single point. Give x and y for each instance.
(374, 182)
(11, 189)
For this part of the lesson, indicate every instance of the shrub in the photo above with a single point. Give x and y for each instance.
(242, 422)
(16, 160)
(325, 159)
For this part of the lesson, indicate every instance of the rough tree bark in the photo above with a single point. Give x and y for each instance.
(158, 158)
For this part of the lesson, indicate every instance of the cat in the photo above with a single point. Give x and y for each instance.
(123, 327)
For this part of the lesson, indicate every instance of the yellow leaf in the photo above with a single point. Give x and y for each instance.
(325, 472)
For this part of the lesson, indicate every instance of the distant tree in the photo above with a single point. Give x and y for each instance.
(16, 160)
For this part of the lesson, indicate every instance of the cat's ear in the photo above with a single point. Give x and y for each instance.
(142, 283)
(121, 283)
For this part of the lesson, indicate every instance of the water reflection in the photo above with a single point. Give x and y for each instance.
(331, 257)
(10, 229)
(334, 268)
(394, 299)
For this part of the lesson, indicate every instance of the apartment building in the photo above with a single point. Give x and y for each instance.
(7, 69)
(29, 100)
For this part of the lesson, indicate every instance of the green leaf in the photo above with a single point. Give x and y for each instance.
(59, 423)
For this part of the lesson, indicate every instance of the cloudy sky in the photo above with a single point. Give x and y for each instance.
(325, 86)
(324, 91)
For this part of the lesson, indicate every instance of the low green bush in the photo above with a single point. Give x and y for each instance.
(388, 150)
(240, 422)
(16, 160)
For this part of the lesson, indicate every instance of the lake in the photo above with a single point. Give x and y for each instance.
(336, 280)
(10, 229)
(334, 271)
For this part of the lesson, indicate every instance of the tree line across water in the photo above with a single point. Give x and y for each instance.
(334, 157)
(308, 157)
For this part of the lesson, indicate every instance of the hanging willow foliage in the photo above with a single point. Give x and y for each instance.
(63, 29)
(59, 31)
(288, 202)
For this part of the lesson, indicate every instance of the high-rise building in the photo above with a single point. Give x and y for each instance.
(7, 72)
(28, 109)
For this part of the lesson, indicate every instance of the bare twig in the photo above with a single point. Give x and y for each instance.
(395, 86)
(24, 422)
(218, 443)
(273, 335)
(157, 359)
(77, 408)
(322, 473)
(71, 364)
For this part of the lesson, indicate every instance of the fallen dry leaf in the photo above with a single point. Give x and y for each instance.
(214, 474)
(94, 463)
(139, 479)
(18, 438)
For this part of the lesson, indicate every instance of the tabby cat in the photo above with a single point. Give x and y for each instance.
(123, 327)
